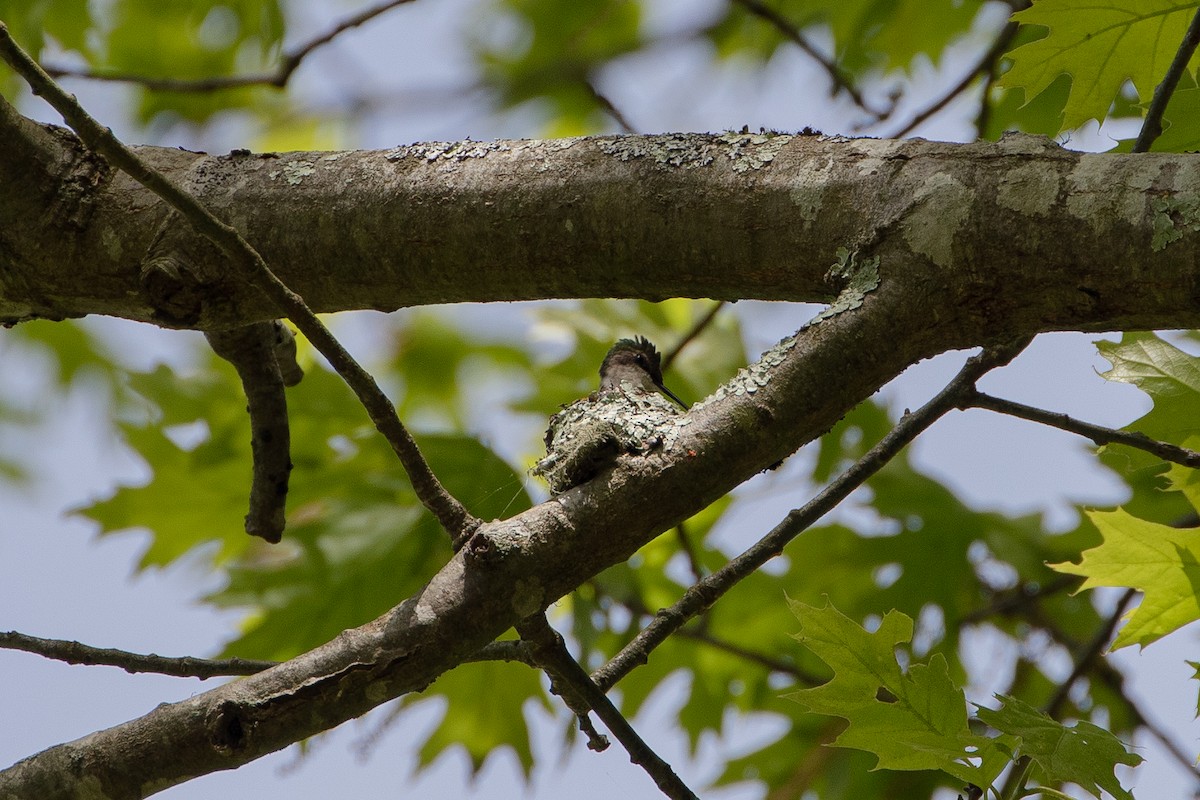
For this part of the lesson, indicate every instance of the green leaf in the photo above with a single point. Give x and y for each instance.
(867, 36)
(1172, 379)
(1101, 44)
(559, 51)
(1082, 754)
(1159, 560)
(922, 724)
(485, 712)
(185, 39)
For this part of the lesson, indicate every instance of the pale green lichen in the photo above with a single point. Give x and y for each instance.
(860, 278)
(747, 151)
(431, 152)
(940, 208)
(671, 149)
(294, 172)
(528, 597)
(750, 151)
(1173, 216)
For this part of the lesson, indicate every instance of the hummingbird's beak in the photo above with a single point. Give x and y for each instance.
(671, 395)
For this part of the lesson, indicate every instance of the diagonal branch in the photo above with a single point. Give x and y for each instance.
(551, 653)
(1085, 660)
(179, 667)
(1152, 124)
(841, 81)
(278, 78)
(1099, 434)
(707, 591)
(454, 518)
(696, 329)
(985, 66)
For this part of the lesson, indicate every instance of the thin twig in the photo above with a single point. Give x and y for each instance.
(1018, 599)
(552, 654)
(1099, 434)
(609, 107)
(707, 591)
(179, 667)
(762, 659)
(1152, 124)
(697, 329)
(985, 66)
(1085, 660)
(278, 78)
(789, 31)
(1093, 651)
(1115, 680)
(689, 550)
(454, 518)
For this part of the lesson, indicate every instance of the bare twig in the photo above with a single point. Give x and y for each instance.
(454, 518)
(1017, 600)
(1099, 434)
(179, 667)
(697, 329)
(1152, 124)
(609, 107)
(707, 591)
(1094, 649)
(789, 31)
(551, 653)
(1113, 678)
(278, 78)
(1085, 660)
(762, 659)
(985, 66)
(689, 550)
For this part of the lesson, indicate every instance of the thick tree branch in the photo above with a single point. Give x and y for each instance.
(292, 59)
(512, 568)
(454, 518)
(1071, 241)
(707, 591)
(180, 667)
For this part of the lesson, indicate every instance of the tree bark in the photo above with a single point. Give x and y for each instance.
(976, 244)
(1028, 235)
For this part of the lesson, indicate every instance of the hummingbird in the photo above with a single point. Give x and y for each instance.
(637, 364)
(627, 414)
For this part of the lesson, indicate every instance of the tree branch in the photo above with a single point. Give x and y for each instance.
(985, 66)
(1084, 661)
(1152, 124)
(707, 591)
(697, 329)
(180, 667)
(454, 518)
(841, 81)
(279, 78)
(1098, 434)
(262, 353)
(551, 653)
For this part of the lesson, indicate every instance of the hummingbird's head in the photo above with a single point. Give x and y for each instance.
(635, 362)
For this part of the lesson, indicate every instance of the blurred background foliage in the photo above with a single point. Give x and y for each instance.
(478, 395)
